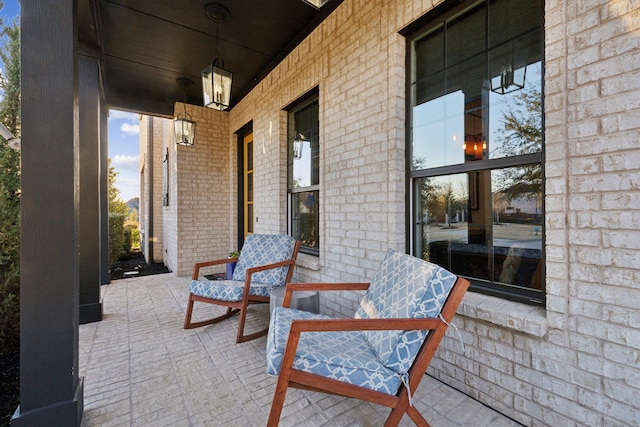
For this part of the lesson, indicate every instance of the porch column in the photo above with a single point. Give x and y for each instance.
(105, 278)
(51, 391)
(89, 124)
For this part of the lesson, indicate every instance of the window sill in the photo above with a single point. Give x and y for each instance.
(308, 262)
(507, 314)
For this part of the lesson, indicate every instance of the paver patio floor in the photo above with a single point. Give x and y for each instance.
(141, 368)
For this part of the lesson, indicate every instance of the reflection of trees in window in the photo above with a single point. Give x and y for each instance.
(521, 133)
(448, 201)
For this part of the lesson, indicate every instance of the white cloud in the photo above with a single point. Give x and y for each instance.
(130, 129)
(128, 178)
(123, 115)
(129, 187)
(123, 163)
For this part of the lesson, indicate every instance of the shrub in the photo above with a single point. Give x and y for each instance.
(9, 248)
(135, 238)
(126, 246)
(116, 236)
(10, 312)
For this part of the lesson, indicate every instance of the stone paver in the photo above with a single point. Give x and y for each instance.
(141, 368)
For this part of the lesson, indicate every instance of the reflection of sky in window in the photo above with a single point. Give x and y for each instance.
(438, 131)
(438, 125)
(302, 167)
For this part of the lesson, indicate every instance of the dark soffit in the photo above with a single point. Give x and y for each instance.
(145, 45)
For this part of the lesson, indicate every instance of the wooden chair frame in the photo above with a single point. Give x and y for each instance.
(399, 403)
(234, 307)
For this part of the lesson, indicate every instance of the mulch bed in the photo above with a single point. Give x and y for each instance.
(133, 265)
(9, 384)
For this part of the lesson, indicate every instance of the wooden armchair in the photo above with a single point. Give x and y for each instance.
(265, 262)
(380, 355)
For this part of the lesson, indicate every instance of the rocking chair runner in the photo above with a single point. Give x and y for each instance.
(379, 356)
(265, 262)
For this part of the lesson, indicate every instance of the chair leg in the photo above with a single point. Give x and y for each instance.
(278, 399)
(417, 418)
(187, 317)
(188, 324)
(394, 418)
(241, 337)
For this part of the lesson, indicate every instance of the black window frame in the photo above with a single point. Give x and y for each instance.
(309, 100)
(425, 25)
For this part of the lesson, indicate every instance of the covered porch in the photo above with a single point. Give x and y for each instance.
(141, 368)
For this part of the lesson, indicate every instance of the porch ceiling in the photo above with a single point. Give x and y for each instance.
(145, 45)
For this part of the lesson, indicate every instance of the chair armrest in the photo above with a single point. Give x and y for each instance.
(294, 287)
(327, 325)
(256, 269)
(250, 271)
(330, 325)
(199, 265)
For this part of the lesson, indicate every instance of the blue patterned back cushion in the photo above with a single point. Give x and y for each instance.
(404, 286)
(261, 249)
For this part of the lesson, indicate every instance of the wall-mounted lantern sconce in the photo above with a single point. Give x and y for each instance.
(216, 81)
(298, 145)
(184, 127)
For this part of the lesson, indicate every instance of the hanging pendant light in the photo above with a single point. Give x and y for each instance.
(184, 127)
(216, 81)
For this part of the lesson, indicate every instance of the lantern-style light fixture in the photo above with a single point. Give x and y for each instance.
(216, 81)
(298, 144)
(508, 80)
(184, 127)
(510, 73)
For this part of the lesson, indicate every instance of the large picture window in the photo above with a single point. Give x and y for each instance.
(304, 173)
(476, 145)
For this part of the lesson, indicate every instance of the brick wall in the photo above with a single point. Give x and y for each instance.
(152, 148)
(202, 208)
(573, 362)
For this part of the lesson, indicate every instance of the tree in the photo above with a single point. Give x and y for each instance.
(10, 192)
(116, 205)
(521, 133)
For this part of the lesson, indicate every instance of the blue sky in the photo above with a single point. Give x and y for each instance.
(124, 132)
(124, 149)
(11, 9)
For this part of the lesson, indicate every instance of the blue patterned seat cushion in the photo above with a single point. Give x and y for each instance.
(343, 356)
(226, 290)
(258, 249)
(403, 287)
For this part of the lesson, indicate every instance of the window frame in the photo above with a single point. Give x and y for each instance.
(424, 26)
(308, 99)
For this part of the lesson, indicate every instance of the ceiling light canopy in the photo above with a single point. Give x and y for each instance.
(316, 3)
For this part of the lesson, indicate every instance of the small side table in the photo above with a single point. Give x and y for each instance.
(301, 300)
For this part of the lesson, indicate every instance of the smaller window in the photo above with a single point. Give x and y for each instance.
(304, 172)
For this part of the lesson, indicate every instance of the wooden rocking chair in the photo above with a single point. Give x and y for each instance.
(265, 263)
(379, 356)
